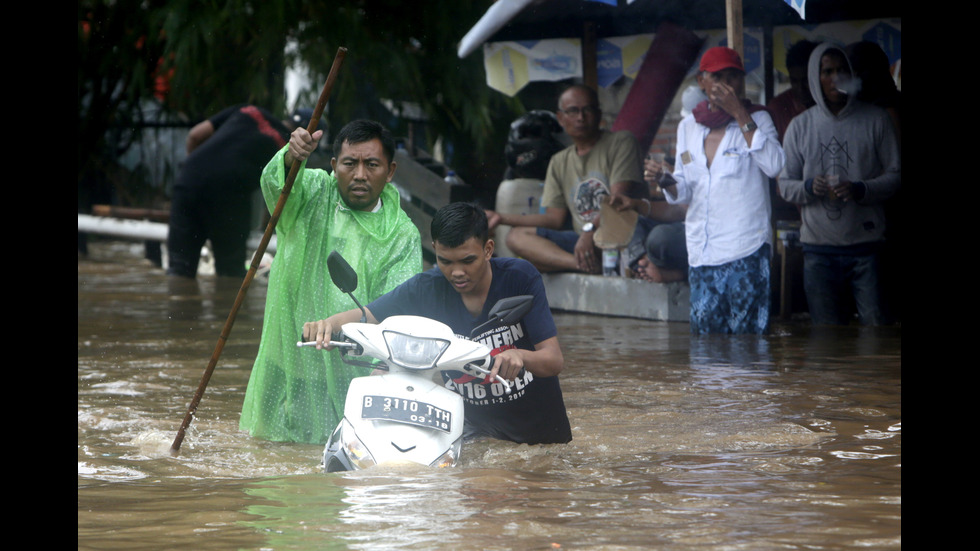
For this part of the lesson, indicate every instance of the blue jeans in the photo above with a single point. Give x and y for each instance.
(830, 279)
(733, 297)
(565, 239)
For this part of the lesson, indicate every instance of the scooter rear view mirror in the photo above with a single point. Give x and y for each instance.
(511, 310)
(507, 311)
(343, 276)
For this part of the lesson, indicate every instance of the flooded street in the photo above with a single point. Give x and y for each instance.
(791, 441)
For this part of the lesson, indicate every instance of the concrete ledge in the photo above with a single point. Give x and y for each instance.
(145, 230)
(618, 296)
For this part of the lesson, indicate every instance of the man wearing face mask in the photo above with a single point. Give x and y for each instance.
(727, 149)
(842, 162)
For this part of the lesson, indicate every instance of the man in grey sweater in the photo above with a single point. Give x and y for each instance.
(843, 161)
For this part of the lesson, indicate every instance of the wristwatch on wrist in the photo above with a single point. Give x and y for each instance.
(588, 227)
(749, 126)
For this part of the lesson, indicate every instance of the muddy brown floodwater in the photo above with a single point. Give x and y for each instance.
(789, 441)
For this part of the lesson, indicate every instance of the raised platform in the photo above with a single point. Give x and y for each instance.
(618, 296)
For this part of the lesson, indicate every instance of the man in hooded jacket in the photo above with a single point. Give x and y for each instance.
(298, 394)
(842, 162)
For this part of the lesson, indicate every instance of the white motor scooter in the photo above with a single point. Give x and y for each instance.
(406, 414)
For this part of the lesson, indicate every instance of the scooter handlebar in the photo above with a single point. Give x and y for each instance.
(355, 346)
(335, 344)
(501, 380)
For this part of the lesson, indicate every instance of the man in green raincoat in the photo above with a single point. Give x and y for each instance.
(298, 394)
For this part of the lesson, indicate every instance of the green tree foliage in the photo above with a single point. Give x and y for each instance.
(224, 52)
(406, 52)
(188, 58)
(119, 48)
(215, 53)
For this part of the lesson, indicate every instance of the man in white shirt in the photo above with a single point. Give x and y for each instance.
(727, 149)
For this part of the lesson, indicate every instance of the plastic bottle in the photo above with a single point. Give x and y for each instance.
(610, 262)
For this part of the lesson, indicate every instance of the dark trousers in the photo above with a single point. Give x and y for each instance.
(831, 280)
(197, 216)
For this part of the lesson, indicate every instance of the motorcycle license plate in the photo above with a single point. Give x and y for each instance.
(411, 412)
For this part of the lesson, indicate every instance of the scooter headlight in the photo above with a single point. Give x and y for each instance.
(357, 452)
(414, 352)
(451, 456)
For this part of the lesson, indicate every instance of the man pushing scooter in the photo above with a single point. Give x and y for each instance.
(459, 292)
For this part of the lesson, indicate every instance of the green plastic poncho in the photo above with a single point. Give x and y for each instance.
(298, 394)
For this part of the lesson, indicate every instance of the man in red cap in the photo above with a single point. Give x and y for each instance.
(727, 149)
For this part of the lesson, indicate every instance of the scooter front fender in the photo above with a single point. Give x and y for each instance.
(396, 418)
